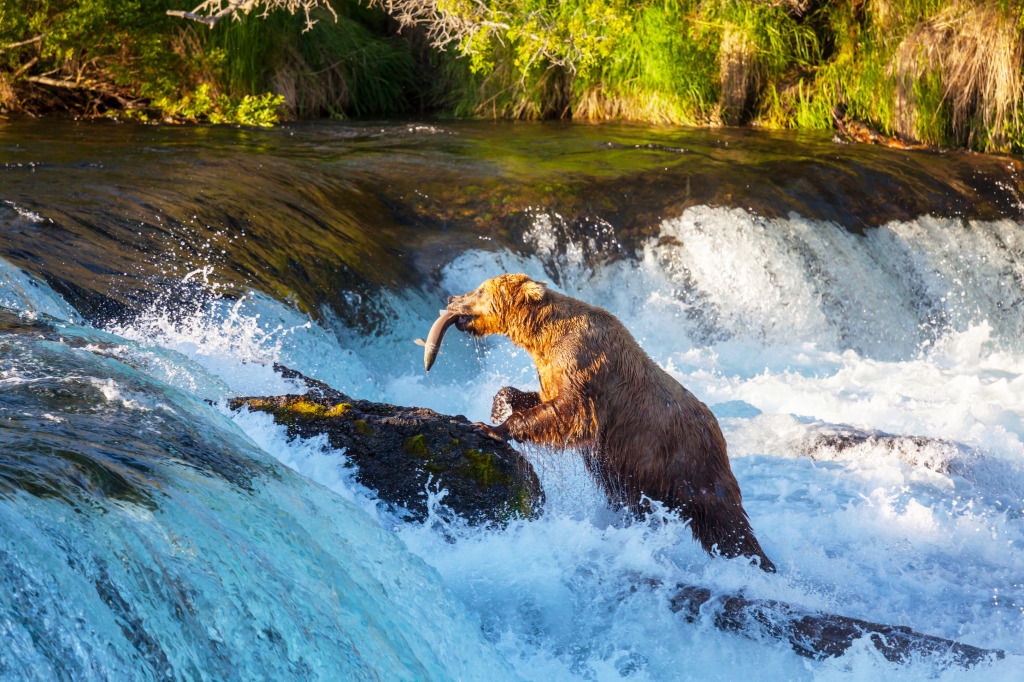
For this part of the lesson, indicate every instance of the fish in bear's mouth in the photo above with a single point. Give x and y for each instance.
(446, 318)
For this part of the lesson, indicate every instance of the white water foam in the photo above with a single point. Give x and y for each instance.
(776, 326)
(783, 325)
(222, 334)
(218, 576)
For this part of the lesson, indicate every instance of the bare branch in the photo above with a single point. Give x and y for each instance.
(540, 36)
(11, 46)
(210, 12)
(24, 68)
(210, 21)
(61, 83)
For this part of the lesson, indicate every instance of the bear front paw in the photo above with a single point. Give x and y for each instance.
(509, 400)
(501, 408)
(499, 432)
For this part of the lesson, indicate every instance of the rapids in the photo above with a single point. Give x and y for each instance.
(800, 287)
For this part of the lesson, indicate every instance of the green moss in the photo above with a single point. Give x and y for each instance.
(304, 410)
(339, 410)
(522, 505)
(416, 446)
(283, 414)
(481, 468)
(433, 467)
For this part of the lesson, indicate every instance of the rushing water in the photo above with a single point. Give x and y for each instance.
(802, 288)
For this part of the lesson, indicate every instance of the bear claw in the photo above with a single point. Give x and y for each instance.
(497, 433)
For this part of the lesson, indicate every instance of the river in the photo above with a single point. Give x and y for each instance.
(854, 316)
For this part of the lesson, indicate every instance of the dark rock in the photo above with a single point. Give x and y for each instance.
(396, 449)
(818, 635)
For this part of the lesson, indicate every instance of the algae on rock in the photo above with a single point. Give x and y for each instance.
(396, 450)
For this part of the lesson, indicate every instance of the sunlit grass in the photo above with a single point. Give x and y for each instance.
(942, 72)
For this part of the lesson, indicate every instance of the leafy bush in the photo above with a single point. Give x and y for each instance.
(128, 58)
(940, 71)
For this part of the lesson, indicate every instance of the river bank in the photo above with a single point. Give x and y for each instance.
(941, 73)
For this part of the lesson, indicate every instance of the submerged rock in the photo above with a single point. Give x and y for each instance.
(830, 442)
(817, 635)
(398, 449)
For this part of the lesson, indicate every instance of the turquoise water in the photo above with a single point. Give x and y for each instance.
(149, 274)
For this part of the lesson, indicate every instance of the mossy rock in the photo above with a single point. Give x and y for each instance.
(396, 450)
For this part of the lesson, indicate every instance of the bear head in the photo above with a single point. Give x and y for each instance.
(494, 306)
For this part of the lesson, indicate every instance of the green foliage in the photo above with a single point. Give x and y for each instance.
(933, 125)
(203, 105)
(127, 48)
(905, 67)
(77, 29)
(706, 61)
(653, 60)
(247, 71)
(781, 42)
(670, 55)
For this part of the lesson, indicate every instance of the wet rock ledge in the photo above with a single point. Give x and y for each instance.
(397, 449)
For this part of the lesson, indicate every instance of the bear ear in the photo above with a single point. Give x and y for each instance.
(533, 291)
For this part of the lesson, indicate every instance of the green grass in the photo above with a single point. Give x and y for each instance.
(945, 72)
(337, 68)
(900, 66)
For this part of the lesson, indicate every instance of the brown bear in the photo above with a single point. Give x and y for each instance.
(641, 432)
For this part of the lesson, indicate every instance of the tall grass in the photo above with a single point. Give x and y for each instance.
(959, 71)
(336, 68)
(945, 72)
(664, 70)
(937, 71)
(761, 45)
(675, 61)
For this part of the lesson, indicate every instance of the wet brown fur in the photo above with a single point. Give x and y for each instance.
(643, 432)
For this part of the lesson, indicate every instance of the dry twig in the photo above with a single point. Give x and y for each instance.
(210, 12)
(11, 46)
(24, 68)
(472, 23)
(61, 83)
